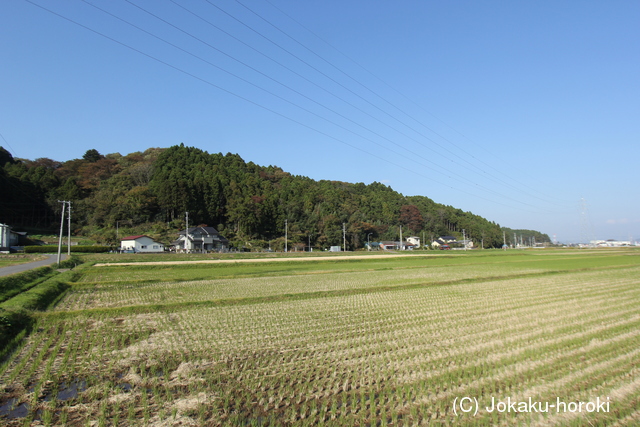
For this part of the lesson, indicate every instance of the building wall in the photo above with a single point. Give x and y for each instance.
(7, 237)
(142, 244)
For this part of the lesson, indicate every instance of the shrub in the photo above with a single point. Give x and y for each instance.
(72, 262)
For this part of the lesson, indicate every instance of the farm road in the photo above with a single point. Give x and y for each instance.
(223, 261)
(12, 269)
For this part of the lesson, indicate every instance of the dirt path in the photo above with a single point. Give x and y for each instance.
(250, 260)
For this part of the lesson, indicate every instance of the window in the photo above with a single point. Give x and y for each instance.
(143, 247)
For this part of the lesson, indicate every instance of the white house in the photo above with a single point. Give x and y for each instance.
(200, 239)
(140, 244)
(414, 240)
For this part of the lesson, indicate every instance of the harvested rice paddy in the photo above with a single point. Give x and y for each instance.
(486, 338)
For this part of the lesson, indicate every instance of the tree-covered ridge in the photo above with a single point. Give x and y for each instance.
(149, 192)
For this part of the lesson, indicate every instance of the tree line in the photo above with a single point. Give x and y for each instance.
(149, 192)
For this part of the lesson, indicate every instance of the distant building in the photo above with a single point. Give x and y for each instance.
(414, 240)
(396, 245)
(8, 237)
(451, 242)
(141, 244)
(388, 246)
(200, 239)
(611, 243)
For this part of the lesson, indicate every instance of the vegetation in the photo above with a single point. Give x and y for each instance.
(24, 293)
(525, 236)
(16, 283)
(47, 249)
(148, 193)
(388, 341)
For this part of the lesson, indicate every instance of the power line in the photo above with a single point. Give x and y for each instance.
(412, 159)
(256, 103)
(491, 176)
(297, 105)
(8, 145)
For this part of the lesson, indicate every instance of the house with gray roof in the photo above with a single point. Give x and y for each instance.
(200, 239)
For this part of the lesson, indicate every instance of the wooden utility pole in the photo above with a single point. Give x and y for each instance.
(64, 204)
(69, 230)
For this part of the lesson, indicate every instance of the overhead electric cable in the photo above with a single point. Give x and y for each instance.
(8, 145)
(352, 92)
(256, 103)
(488, 175)
(292, 103)
(250, 101)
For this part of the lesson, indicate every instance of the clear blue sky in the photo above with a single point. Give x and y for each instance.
(511, 110)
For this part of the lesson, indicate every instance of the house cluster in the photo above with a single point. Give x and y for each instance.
(611, 243)
(408, 245)
(193, 239)
(413, 242)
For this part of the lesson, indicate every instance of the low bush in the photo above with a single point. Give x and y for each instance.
(72, 262)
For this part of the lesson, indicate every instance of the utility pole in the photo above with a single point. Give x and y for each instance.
(401, 242)
(464, 239)
(504, 240)
(344, 237)
(286, 231)
(69, 230)
(64, 205)
(515, 241)
(186, 234)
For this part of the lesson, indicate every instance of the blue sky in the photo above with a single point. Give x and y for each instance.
(511, 110)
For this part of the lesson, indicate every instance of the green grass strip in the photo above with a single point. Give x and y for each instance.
(14, 284)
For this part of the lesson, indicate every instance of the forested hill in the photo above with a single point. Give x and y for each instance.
(149, 193)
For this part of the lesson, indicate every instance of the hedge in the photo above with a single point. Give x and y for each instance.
(72, 262)
(49, 249)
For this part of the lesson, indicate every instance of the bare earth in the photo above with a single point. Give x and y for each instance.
(250, 260)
